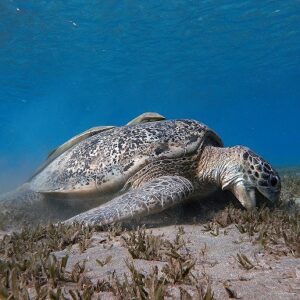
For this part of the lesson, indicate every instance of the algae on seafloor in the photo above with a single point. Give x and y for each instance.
(27, 263)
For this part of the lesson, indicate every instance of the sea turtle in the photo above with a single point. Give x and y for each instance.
(144, 168)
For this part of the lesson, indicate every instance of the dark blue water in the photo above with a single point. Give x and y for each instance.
(66, 66)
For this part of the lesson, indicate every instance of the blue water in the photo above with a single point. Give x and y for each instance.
(66, 66)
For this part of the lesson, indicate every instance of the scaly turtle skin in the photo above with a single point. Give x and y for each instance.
(144, 168)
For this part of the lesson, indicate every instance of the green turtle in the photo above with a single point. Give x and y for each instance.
(144, 168)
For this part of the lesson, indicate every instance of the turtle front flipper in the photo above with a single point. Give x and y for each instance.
(153, 197)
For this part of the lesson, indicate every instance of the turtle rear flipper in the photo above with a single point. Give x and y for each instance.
(153, 197)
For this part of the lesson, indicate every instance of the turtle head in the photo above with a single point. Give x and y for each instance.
(252, 179)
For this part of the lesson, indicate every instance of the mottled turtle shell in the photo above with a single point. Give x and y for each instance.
(105, 162)
(52, 155)
(69, 144)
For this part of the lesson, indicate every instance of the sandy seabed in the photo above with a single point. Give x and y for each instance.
(223, 253)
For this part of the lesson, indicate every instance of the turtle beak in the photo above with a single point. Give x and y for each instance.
(250, 196)
(271, 195)
(246, 195)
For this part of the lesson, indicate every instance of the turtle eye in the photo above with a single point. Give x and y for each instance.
(274, 180)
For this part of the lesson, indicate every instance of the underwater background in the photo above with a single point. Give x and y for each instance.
(66, 66)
